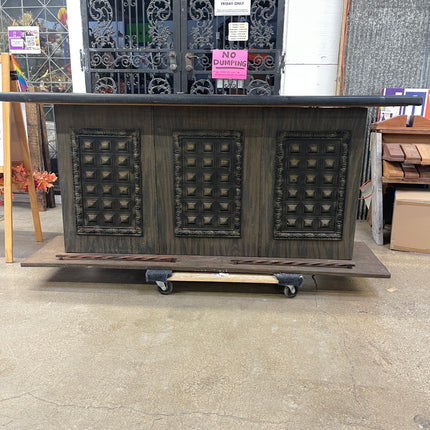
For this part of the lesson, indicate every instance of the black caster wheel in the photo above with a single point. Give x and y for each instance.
(290, 292)
(165, 288)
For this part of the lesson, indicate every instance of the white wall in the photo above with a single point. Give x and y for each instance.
(311, 46)
(74, 19)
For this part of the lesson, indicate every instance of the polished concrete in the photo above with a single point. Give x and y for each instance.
(98, 349)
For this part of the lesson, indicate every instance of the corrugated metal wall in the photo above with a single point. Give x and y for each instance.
(387, 45)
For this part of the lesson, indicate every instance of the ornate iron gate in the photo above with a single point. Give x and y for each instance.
(165, 46)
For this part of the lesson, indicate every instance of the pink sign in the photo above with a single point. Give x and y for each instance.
(229, 63)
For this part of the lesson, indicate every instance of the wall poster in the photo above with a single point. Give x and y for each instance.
(24, 40)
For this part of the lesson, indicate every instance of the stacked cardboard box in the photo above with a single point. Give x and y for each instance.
(410, 229)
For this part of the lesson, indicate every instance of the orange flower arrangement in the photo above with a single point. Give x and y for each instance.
(20, 177)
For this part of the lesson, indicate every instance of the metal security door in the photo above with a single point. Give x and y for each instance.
(202, 32)
(165, 46)
(129, 46)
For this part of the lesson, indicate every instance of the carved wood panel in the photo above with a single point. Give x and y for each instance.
(107, 182)
(207, 180)
(311, 170)
(208, 183)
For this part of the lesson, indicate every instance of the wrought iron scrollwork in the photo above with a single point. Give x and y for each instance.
(158, 60)
(202, 13)
(158, 12)
(202, 62)
(129, 3)
(101, 12)
(261, 31)
(202, 86)
(130, 83)
(130, 42)
(140, 60)
(105, 84)
(158, 85)
(258, 87)
(102, 60)
(261, 61)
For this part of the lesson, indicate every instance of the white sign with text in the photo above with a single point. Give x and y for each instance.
(232, 7)
(238, 31)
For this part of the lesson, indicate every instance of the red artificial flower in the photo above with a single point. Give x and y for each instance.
(43, 181)
(20, 177)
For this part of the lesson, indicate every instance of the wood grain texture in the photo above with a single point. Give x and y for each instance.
(407, 137)
(392, 152)
(78, 118)
(391, 134)
(410, 171)
(398, 124)
(210, 120)
(260, 128)
(7, 162)
(363, 264)
(377, 196)
(424, 172)
(241, 278)
(392, 170)
(424, 150)
(315, 120)
(412, 156)
(34, 144)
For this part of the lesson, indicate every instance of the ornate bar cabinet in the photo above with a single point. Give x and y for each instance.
(220, 176)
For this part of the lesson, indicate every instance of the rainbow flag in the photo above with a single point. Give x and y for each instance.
(21, 78)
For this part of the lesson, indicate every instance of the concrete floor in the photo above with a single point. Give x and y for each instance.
(97, 349)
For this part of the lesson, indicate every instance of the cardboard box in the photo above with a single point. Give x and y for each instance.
(410, 228)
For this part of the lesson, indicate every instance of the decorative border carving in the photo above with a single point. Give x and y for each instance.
(235, 138)
(342, 139)
(135, 168)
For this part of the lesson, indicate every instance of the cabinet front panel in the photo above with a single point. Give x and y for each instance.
(210, 180)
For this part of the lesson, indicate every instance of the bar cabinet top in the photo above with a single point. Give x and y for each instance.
(213, 100)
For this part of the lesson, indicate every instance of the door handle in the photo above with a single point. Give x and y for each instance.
(172, 61)
(189, 67)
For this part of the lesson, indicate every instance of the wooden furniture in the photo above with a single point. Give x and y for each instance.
(249, 183)
(15, 148)
(39, 150)
(233, 180)
(363, 264)
(400, 154)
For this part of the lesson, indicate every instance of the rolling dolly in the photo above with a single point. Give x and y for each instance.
(165, 278)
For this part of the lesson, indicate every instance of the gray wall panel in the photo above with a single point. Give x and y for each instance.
(387, 45)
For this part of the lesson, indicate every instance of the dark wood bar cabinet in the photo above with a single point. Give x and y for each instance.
(220, 176)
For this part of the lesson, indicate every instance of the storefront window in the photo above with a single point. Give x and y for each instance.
(50, 69)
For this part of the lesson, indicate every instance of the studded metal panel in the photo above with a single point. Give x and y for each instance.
(107, 182)
(310, 185)
(208, 178)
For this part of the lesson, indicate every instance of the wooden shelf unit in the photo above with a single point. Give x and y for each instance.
(394, 130)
